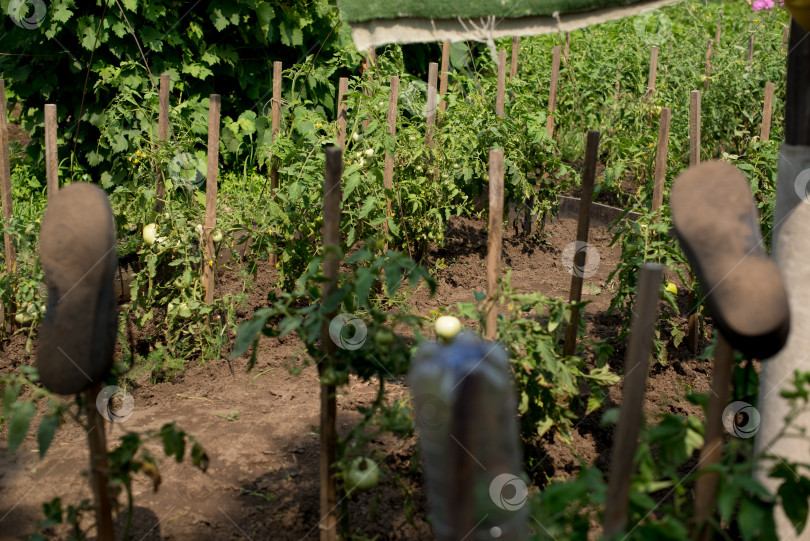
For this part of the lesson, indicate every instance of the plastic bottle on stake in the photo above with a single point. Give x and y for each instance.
(466, 416)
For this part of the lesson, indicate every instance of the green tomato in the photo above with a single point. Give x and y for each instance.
(149, 234)
(217, 236)
(383, 338)
(184, 311)
(363, 474)
(447, 327)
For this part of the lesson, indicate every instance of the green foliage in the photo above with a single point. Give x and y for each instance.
(222, 47)
(550, 386)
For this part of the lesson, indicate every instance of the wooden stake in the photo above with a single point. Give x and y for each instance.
(653, 72)
(275, 129)
(331, 263)
(5, 182)
(433, 70)
(388, 174)
(694, 127)
(495, 240)
(211, 196)
(51, 154)
(501, 92)
(588, 177)
(706, 484)
(163, 135)
(275, 117)
(343, 88)
(636, 368)
(661, 158)
(767, 109)
(552, 94)
(750, 50)
(443, 74)
(785, 38)
(98, 464)
(708, 65)
(515, 51)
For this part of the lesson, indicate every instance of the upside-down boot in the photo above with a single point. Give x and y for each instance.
(718, 227)
(78, 254)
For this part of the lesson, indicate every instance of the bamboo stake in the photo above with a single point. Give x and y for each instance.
(433, 70)
(275, 129)
(98, 465)
(495, 240)
(588, 177)
(211, 196)
(515, 51)
(708, 64)
(653, 72)
(343, 88)
(501, 91)
(443, 74)
(750, 50)
(661, 158)
(51, 154)
(388, 174)
(767, 109)
(163, 135)
(5, 182)
(636, 368)
(692, 330)
(552, 95)
(331, 241)
(706, 484)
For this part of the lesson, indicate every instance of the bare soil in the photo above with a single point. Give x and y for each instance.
(259, 428)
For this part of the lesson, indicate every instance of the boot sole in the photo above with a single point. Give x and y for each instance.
(77, 251)
(717, 223)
